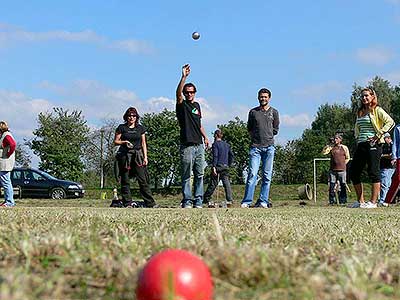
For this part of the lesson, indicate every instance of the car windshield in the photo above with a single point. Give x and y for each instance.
(45, 175)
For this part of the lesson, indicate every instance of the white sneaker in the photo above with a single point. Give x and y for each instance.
(363, 205)
(244, 205)
(371, 205)
(383, 204)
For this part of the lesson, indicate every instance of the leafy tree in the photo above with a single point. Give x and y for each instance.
(236, 134)
(386, 95)
(59, 141)
(22, 156)
(101, 140)
(163, 147)
(285, 164)
(395, 112)
(330, 119)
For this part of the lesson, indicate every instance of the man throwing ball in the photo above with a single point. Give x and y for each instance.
(192, 135)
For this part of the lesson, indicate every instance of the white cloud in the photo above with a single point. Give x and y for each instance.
(395, 2)
(320, 91)
(21, 111)
(10, 35)
(98, 102)
(377, 56)
(300, 120)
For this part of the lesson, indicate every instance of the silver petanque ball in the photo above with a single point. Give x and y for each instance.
(195, 35)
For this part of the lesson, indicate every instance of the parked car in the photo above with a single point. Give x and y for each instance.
(38, 184)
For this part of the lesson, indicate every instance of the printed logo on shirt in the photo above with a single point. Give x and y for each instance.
(195, 111)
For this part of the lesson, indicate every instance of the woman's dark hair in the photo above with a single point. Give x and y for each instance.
(131, 111)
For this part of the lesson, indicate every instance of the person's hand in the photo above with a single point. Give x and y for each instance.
(186, 70)
(393, 161)
(214, 171)
(206, 143)
(129, 144)
(373, 140)
(145, 161)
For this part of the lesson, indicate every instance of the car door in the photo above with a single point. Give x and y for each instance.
(34, 184)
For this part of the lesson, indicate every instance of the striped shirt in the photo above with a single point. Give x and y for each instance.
(366, 128)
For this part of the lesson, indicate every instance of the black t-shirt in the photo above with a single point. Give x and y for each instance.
(133, 135)
(189, 118)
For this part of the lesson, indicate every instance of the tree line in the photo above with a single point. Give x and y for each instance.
(68, 148)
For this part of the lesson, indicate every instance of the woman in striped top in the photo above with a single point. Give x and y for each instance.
(371, 124)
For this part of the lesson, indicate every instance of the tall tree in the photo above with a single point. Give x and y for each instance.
(99, 153)
(330, 119)
(59, 141)
(395, 112)
(286, 169)
(385, 92)
(162, 147)
(236, 134)
(22, 156)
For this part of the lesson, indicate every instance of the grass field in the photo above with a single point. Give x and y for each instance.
(80, 249)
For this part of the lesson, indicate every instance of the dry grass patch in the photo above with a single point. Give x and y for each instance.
(282, 253)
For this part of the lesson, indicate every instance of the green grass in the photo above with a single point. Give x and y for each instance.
(80, 249)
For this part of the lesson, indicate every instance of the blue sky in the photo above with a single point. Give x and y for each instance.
(104, 56)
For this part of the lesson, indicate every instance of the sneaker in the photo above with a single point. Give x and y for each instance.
(262, 205)
(116, 203)
(131, 204)
(244, 205)
(364, 205)
(383, 204)
(5, 204)
(211, 204)
(371, 205)
(229, 204)
(355, 205)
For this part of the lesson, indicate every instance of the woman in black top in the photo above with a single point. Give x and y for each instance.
(132, 158)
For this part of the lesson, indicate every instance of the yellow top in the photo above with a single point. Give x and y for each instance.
(381, 122)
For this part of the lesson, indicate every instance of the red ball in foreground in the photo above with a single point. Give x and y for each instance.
(175, 275)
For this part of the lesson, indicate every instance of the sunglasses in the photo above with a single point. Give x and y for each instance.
(189, 92)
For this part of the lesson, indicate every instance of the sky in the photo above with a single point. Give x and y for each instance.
(103, 56)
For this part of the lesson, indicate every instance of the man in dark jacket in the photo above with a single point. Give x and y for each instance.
(222, 160)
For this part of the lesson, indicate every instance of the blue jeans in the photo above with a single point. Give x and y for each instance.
(334, 177)
(192, 160)
(386, 180)
(5, 181)
(265, 155)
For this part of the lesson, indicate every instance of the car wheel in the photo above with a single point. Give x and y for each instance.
(57, 193)
(19, 196)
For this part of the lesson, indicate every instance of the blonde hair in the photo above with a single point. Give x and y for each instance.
(3, 126)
